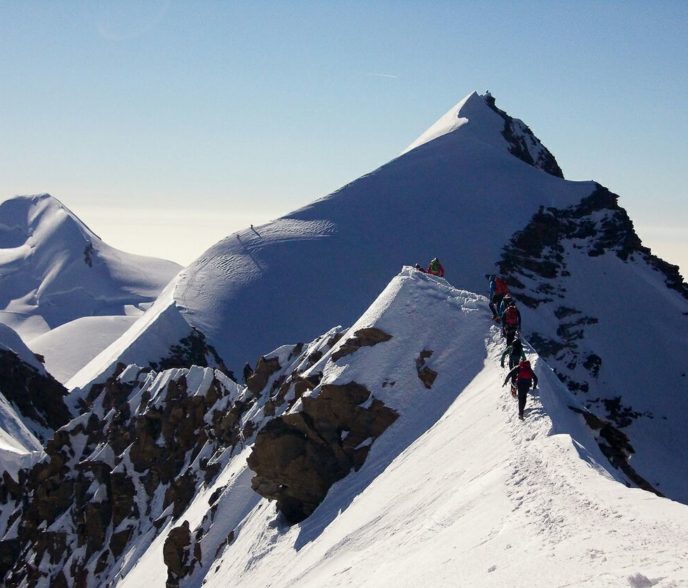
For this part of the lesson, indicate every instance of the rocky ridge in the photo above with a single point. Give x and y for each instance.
(37, 396)
(145, 444)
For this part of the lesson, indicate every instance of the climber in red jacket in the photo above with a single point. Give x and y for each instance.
(524, 376)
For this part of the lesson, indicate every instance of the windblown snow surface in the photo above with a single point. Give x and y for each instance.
(54, 270)
(457, 492)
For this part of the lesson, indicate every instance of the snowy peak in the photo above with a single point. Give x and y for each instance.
(54, 269)
(477, 117)
(30, 222)
(453, 119)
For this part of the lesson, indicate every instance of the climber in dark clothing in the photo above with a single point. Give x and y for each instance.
(514, 352)
(248, 372)
(511, 322)
(524, 376)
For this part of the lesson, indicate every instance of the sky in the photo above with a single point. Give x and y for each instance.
(168, 125)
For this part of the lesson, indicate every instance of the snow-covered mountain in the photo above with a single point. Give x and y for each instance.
(54, 271)
(391, 451)
(445, 197)
(482, 193)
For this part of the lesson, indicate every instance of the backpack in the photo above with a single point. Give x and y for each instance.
(516, 347)
(525, 372)
(511, 316)
(500, 286)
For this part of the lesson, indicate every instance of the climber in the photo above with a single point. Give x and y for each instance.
(435, 268)
(524, 376)
(498, 289)
(511, 322)
(514, 352)
(506, 301)
(419, 268)
(248, 372)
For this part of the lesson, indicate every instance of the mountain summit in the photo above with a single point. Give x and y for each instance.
(485, 122)
(459, 195)
(484, 196)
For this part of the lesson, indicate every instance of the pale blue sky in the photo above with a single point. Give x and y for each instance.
(227, 113)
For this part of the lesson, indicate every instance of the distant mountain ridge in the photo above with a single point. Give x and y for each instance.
(387, 452)
(54, 269)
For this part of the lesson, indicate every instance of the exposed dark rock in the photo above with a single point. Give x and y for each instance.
(425, 374)
(593, 363)
(519, 136)
(616, 447)
(119, 541)
(334, 339)
(179, 493)
(39, 398)
(138, 452)
(264, 369)
(88, 254)
(535, 256)
(297, 457)
(192, 350)
(175, 554)
(362, 338)
(10, 550)
(296, 351)
(620, 414)
(228, 541)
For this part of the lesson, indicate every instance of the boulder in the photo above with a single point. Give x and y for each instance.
(297, 457)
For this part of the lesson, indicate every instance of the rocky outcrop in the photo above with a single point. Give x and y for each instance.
(39, 397)
(179, 553)
(362, 338)
(616, 447)
(145, 444)
(536, 255)
(524, 144)
(265, 367)
(298, 456)
(192, 350)
(132, 462)
(425, 373)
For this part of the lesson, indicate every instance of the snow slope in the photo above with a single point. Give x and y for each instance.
(147, 340)
(69, 347)
(642, 380)
(457, 491)
(465, 191)
(294, 276)
(54, 270)
(458, 197)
